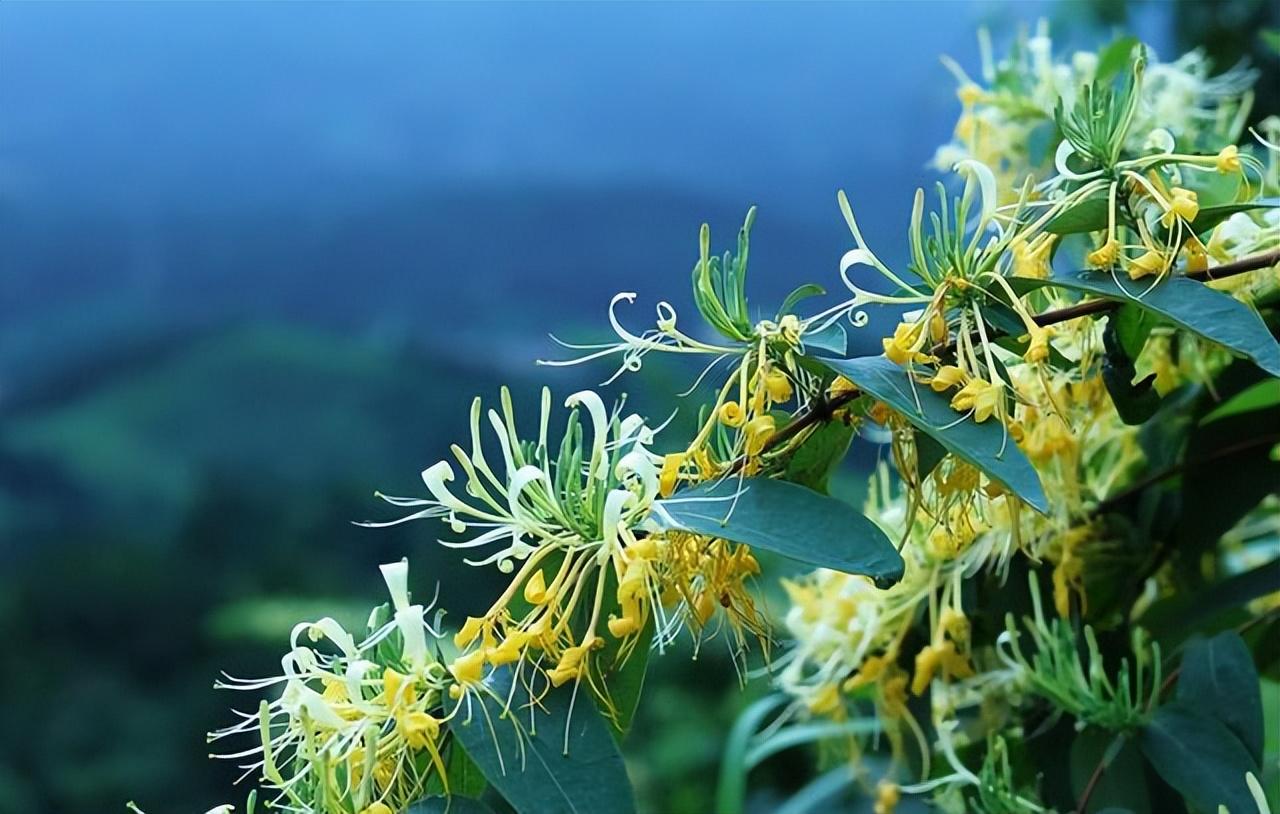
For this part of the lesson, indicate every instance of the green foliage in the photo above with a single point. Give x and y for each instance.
(817, 458)
(561, 758)
(985, 446)
(1218, 677)
(786, 519)
(1211, 216)
(1189, 304)
(1197, 755)
(1090, 215)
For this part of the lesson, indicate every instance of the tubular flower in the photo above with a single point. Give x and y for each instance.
(1152, 262)
(572, 529)
(732, 414)
(778, 386)
(1105, 255)
(344, 702)
(887, 797)
(1038, 350)
(908, 338)
(1032, 259)
(979, 396)
(947, 377)
(1228, 160)
(1183, 204)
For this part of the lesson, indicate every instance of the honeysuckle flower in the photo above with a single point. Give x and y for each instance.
(947, 377)
(572, 531)
(1184, 204)
(1150, 262)
(1228, 160)
(357, 721)
(1104, 255)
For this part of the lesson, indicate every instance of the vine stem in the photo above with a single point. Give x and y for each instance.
(822, 409)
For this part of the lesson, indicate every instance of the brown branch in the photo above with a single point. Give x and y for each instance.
(821, 409)
(1164, 474)
(1083, 806)
(1089, 307)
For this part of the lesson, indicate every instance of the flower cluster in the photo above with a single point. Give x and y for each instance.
(1140, 178)
(1143, 158)
(358, 725)
(591, 577)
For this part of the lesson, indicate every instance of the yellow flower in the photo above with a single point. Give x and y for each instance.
(870, 671)
(1032, 259)
(468, 669)
(893, 694)
(947, 377)
(758, 432)
(1151, 262)
(377, 808)
(535, 590)
(572, 660)
(978, 395)
(1197, 257)
(840, 386)
(670, 474)
(790, 328)
(907, 340)
(825, 700)
(469, 631)
(1049, 437)
(1228, 159)
(955, 624)
(393, 686)
(969, 94)
(1104, 255)
(1038, 351)
(510, 650)
(927, 662)
(418, 729)
(732, 414)
(887, 796)
(937, 327)
(777, 385)
(1182, 204)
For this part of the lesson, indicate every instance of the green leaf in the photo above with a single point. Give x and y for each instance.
(786, 519)
(1218, 677)
(1210, 216)
(929, 453)
(624, 681)
(731, 790)
(818, 456)
(1121, 783)
(1271, 39)
(465, 777)
(1090, 215)
(454, 804)
(1185, 302)
(1198, 756)
(984, 445)
(1171, 620)
(1264, 395)
(831, 339)
(803, 292)
(1227, 471)
(1115, 57)
(1135, 402)
(1133, 325)
(542, 777)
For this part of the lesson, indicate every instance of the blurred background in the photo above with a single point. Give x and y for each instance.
(255, 260)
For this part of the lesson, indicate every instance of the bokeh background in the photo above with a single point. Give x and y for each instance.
(255, 259)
